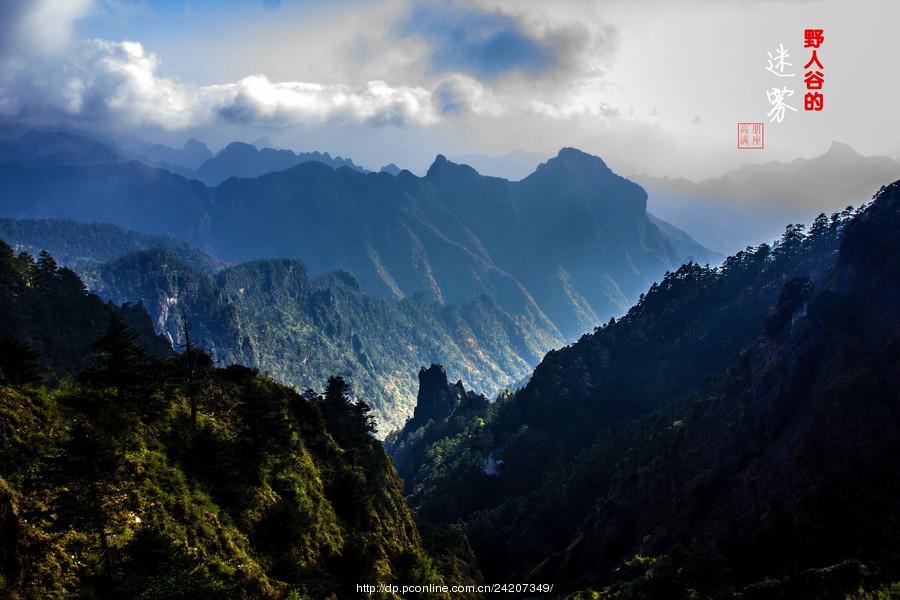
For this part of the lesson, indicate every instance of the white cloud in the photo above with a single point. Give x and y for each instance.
(39, 26)
(100, 80)
(573, 108)
(45, 75)
(459, 94)
(256, 100)
(48, 23)
(96, 80)
(118, 82)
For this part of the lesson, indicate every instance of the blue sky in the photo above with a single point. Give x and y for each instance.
(651, 86)
(146, 20)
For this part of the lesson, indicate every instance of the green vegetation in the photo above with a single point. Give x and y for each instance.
(271, 315)
(38, 337)
(730, 436)
(83, 247)
(445, 415)
(134, 475)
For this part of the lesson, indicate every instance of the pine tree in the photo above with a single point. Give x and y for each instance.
(45, 271)
(87, 471)
(119, 361)
(195, 368)
(350, 423)
(19, 363)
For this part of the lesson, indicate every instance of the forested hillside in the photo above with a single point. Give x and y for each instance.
(729, 437)
(163, 476)
(83, 247)
(40, 341)
(271, 315)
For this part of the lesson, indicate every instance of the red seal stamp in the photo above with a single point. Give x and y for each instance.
(750, 136)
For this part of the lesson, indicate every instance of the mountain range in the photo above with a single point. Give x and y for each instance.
(730, 434)
(245, 160)
(66, 147)
(53, 148)
(478, 273)
(752, 204)
(272, 315)
(566, 247)
(729, 437)
(84, 247)
(269, 314)
(189, 157)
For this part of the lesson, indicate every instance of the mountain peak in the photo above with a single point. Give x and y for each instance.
(236, 147)
(435, 399)
(390, 169)
(196, 151)
(441, 166)
(195, 144)
(575, 156)
(841, 150)
(572, 160)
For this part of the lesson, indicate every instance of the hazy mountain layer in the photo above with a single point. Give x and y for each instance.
(749, 205)
(84, 247)
(244, 160)
(566, 247)
(53, 149)
(193, 154)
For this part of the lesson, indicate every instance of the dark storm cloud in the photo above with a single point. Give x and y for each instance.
(489, 44)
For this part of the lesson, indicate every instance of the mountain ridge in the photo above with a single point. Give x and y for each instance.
(750, 204)
(568, 246)
(272, 315)
(128, 474)
(696, 446)
(239, 159)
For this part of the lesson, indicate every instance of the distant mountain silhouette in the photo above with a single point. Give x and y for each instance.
(83, 247)
(69, 146)
(244, 160)
(566, 247)
(193, 154)
(56, 148)
(751, 204)
(390, 169)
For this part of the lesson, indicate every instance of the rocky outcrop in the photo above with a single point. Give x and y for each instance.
(435, 399)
